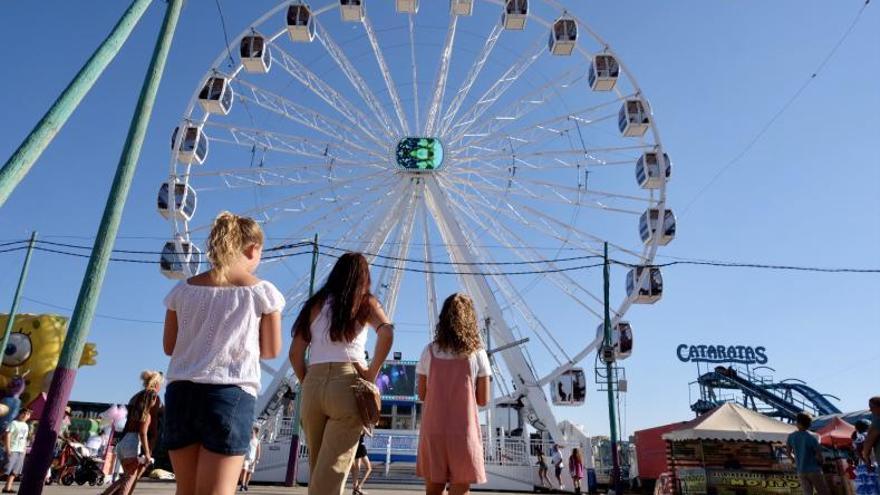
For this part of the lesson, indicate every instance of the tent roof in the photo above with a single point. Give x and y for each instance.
(732, 422)
(836, 433)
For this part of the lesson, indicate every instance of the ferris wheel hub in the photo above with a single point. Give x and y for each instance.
(419, 154)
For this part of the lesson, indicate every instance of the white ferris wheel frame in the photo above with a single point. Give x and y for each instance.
(436, 203)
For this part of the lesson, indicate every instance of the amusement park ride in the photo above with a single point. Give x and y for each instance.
(532, 143)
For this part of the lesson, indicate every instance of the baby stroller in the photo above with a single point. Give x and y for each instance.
(76, 465)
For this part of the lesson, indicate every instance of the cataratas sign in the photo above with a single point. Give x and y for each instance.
(721, 354)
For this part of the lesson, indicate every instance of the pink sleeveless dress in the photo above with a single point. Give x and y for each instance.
(450, 442)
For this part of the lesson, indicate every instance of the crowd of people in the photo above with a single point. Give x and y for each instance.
(220, 323)
(218, 326)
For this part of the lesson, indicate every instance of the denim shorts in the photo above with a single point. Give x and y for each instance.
(129, 447)
(219, 417)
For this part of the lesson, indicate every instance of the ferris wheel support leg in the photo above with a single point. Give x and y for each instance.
(87, 301)
(36, 142)
(539, 413)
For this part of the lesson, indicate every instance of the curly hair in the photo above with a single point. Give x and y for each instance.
(230, 235)
(456, 331)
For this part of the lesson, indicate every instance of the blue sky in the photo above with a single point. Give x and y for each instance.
(715, 73)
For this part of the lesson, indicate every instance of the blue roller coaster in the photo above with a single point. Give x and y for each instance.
(780, 399)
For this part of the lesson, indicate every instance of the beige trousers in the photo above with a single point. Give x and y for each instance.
(332, 425)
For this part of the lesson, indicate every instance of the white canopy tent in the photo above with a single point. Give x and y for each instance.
(732, 422)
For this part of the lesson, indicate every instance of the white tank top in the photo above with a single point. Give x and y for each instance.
(324, 350)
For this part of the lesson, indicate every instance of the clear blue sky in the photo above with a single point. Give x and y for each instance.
(715, 73)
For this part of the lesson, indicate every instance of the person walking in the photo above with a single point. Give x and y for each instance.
(453, 380)
(250, 460)
(543, 469)
(332, 325)
(807, 451)
(871, 447)
(139, 435)
(15, 445)
(576, 468)
(218, 325)
(360, 458)
(558, 464)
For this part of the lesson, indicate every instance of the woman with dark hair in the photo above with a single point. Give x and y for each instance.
(332, 325)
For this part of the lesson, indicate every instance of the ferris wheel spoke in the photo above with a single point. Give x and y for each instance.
(504, 175)
(300, 195)
(325, 91)
(442, 76)
(497, 90)
(353, 75)
(415, 73)
(390, 289)
(290, 144)
(549, 153)
(548, 128)
(386, 75)
(430, 283)
(307, 117)
(303, 210)
(492, 122)
(511, 294)
(517, 245)
(470, 79)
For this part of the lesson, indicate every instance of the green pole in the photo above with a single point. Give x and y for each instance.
(42, 134)
(17, 297)
(614, 482)
(293, 457)
(84, 312)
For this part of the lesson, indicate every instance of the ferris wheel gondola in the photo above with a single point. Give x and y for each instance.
(644, 285)
(515, 15)
(462, 7)
(563, 36)
(217, 95)
(180, 259)
(193, 147)
(300, 23)
(603, 73)
(255, 55)
(407, 6)
(650, 224)
(183, 206)
(634, 118)
(352, 10)
(653, 170)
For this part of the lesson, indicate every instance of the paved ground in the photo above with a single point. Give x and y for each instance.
(166, 488)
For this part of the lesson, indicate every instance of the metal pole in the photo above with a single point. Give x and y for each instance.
(609, 370)
(17, 297)
(490, 428)
(293, 457)
(32, 147)
(65, 375)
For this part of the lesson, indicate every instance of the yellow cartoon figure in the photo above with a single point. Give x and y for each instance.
(33, 351)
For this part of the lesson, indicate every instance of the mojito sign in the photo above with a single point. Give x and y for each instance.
(721, 354)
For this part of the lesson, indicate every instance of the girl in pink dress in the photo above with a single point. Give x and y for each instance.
(576, 468)
(453, 376)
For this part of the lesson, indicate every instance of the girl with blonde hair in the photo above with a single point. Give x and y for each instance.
(135, 448)
(218, 326)
(453, 375)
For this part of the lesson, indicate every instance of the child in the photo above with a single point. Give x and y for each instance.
(218, 326)
(250, 460)
(15, 444)
(453, 377)
(576, 468)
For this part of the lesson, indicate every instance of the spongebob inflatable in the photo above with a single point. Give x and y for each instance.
(33, 350)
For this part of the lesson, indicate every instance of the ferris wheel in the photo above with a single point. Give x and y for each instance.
(488, 142)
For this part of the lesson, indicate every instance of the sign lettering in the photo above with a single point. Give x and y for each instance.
(721, 354)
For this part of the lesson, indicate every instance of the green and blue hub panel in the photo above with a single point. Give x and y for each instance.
(419, 154)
